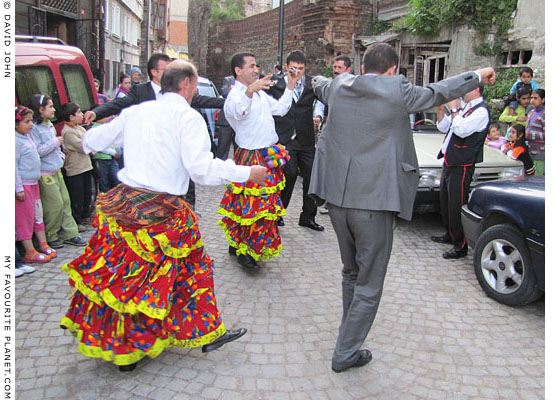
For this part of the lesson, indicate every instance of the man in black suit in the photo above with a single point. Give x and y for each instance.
(296, 131)
(146, 92)
(225, 131)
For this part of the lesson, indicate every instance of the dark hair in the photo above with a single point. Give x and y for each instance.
(297, 57)
(379, 57)
(175, 74)
(21, 112)
(278, 67)
(520, 129)
(540, 92)
(154, 60)
(347, 61)
(493, 126)
(481, 88)
(123, 77)
(527, 70)
(238, 60)
(38, 101)
(67, 110)
(523, 91)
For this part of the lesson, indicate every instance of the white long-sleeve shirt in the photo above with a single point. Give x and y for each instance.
(461, 126)
(251, 118)
(166, 142)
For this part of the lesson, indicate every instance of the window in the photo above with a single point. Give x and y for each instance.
(77, 86)
(116, 20)
(126, 29)
(517, 57)
(35, 80)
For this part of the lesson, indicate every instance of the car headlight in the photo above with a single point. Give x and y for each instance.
(429, 177)
(511, 172)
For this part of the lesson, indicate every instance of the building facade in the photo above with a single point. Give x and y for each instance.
(122, 39)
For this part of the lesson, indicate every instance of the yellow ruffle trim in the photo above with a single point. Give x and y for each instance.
(133, 241)
(242, 248)
(130, 358)
(250, 221)
(237, 188)
(107, 297)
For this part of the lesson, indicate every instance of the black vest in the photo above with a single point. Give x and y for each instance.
(469, 150)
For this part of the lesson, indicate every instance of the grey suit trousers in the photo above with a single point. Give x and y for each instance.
(365, 239)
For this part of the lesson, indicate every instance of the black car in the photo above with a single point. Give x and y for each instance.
(504, 223)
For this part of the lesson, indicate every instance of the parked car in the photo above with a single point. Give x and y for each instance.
(504, 223)
(428, 141)
(49, 66)
(206, 88)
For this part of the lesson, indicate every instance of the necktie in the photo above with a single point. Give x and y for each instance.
(297, 90)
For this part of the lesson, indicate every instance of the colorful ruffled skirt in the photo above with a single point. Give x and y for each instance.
(144, 281)
(250, 211)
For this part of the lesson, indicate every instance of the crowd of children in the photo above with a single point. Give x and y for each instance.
(524, 114)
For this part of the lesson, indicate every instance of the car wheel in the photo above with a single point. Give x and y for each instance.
(502, 264)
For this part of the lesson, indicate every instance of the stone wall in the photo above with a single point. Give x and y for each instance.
(322, 29)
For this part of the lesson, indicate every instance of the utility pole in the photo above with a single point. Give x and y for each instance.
(281, 33)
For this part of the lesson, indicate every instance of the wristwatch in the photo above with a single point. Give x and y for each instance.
(454, 110)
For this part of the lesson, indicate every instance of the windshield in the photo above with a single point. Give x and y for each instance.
(424, 120)
(206, 90)
(35, 80)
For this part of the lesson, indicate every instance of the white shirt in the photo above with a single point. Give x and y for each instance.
(461, 126)
(251, 118)
(156, 89)
(166, 142)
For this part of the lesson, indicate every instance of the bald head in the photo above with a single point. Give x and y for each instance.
(180, 77)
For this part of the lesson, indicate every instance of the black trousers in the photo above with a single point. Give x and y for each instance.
(80, 190)
(301, 163)
(453, 193)
(225, 138)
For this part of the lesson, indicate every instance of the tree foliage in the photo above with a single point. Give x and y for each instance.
(427, 17)
(226, 10)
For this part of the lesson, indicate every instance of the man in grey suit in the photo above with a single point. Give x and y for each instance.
(366, 170)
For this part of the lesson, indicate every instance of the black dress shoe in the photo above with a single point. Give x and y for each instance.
(248, 262)
(364, 356)
(127, 368)
(441, 239)
(227, 337)
(232, 250)
(280, 221)
(312, 225)
(454, 254)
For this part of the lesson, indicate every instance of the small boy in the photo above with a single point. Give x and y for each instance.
(77, 164)
(494, 138)
(519, 116)
(525, 80)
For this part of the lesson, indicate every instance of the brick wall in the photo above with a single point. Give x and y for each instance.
(322, 29)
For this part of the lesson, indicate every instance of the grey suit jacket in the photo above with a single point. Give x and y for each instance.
(365, 156)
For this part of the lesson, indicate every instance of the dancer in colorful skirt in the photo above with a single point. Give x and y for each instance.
(145, 281)
(251, 210)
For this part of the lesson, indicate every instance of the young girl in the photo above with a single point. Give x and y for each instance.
(60, 227)
(124, 86)
(77, 164)
(494, 138)
(517, 149)
(28, 208)
(535, 130)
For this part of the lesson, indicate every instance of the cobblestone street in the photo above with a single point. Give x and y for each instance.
(436, 335)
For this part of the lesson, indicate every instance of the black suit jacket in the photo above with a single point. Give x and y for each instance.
(144, 92)
(300, 115)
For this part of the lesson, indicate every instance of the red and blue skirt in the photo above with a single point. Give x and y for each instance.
(250, 210)
(144, 281)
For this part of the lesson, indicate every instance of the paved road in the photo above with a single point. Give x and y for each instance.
(436, 336)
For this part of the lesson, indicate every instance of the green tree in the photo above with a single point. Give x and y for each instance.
(228, 10)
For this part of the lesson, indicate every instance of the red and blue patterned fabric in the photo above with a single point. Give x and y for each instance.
(144, 281)
(250, 211)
